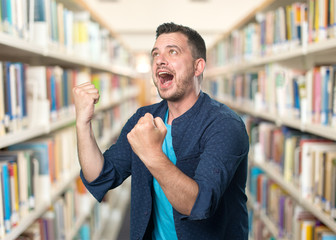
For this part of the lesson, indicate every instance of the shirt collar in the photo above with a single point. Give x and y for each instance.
(191, 112)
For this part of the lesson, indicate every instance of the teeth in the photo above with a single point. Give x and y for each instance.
(160, 73)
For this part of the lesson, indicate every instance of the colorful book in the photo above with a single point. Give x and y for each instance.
(6, 195)
(2, 102)
(24, 182)
(325, 107)
(14, 189)
(308, 168)
(40, 150)
(2, 223)
(38, 106)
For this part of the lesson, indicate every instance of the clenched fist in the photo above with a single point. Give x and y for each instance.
(146, 138)
(85, 96)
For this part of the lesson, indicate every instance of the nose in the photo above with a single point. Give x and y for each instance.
(161, 60)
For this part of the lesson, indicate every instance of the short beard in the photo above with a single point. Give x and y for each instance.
(174, 98)
(181, 89)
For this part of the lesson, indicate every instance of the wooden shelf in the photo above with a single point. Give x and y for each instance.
(16, 49)
(317, 129)
(302, 54)
(260, 213)
(30, 133)
(57, 190)
(296, 194)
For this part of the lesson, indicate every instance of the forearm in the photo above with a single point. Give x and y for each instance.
(90, 157)
(180, 189)
(146, 139)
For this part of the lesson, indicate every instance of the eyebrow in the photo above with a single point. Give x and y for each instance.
(153, 50)
(168, 46)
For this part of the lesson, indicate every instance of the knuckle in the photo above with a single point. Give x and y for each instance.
(75, 90)
(129, 135)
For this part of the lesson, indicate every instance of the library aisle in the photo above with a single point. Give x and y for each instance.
(276, 68)
(117, 226)
(124, 232)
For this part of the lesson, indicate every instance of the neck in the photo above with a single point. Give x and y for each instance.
(178, 108)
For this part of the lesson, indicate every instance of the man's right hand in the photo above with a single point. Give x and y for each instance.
(90, 157)
(85, 96)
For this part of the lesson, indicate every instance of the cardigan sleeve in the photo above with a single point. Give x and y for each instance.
(117, 164)
(226, 148)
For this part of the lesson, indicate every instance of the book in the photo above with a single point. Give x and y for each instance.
(309, 92)
(333, 190)
(328, 236)
(317, 79)
(289, 157)
(81, 36)
(48, 219)
(40, 150)
(7, 16)
(2, 223)
(307, 229)
(8, 98)
(319, 151)
(85, 231)
(14, 190)
(2, 102)
(6, 196)
(333, 96)
(24, 176)
(325, 102)
(254, 173)
(38, 106)
(329, 183)
(60, 218)
(11, 78)
(308, 168)
(40, 26)
(319, 230)
(21, 95)
(296, 97)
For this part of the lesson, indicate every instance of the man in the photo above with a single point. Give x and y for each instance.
(187, 154)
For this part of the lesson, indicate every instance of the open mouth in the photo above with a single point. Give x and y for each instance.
(165, 77)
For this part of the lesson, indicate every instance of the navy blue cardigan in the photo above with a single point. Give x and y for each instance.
(211, 146)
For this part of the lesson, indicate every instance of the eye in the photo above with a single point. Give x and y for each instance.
(172, 52)
(155, 54)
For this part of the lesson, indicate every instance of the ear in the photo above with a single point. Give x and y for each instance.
(199, 66)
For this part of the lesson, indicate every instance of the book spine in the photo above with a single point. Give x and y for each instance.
(7, 198)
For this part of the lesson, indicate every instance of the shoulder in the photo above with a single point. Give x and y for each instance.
(223, 122)
(222, 130)
(218, 111)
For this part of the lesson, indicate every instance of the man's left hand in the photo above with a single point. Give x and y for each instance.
(146, 138)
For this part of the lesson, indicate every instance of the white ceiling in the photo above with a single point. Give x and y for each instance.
(135, 21)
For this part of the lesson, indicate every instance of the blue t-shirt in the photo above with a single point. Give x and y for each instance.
(164, 227)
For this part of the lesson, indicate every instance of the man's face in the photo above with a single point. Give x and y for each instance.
(173, 67)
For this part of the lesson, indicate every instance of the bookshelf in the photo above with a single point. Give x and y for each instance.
(42, 58)
(26, 222)
(271, 227)
(294, 192)
(267, 68)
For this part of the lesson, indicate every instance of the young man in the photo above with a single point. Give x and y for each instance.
(187, 154)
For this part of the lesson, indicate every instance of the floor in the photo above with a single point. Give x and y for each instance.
(124, 233)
